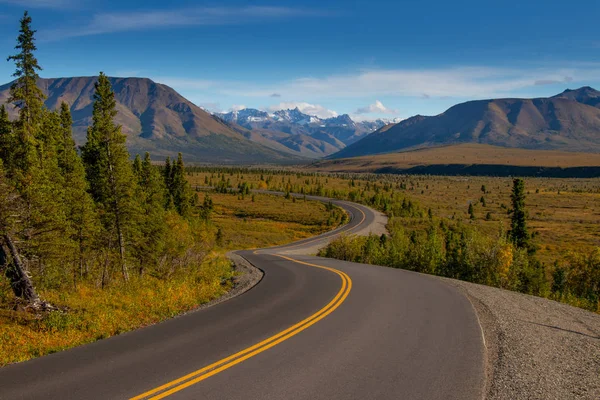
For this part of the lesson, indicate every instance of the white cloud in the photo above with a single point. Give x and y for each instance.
(237, 107)
(376, 108)
(306, 108)
(141, 20)
(459, 82)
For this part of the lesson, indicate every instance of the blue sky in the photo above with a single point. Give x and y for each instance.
(365, 58)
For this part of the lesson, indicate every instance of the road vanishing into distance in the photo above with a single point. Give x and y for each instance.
(312, 328)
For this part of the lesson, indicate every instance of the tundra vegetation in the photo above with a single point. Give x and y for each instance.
(535, 236)
(92, 243)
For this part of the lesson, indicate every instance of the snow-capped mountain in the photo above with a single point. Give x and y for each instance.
(295, 116)
(244, 116)
(301, 133)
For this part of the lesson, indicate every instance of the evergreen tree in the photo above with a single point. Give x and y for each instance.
(80, 207)
(109, 172)
(25, 94)
(518, 233)
(67, 154)
(167, 177)
(152, 225)
(180, 188)
(6, 136)
(33, 173)
(137, 166)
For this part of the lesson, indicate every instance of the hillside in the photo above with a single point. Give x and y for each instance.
(157, 119)
(468, 159)
(299, 133)
(569, 121)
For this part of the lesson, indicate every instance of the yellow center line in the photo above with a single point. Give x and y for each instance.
(228, 362)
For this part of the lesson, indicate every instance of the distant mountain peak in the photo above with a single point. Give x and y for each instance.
(586, 95)
(581, 89)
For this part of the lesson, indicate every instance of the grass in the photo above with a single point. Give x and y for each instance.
(563, 213)
(94, 313)
(266, 221)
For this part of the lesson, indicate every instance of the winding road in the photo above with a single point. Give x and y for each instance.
(313, 328)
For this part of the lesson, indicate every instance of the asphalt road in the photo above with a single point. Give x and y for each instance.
(313, 328)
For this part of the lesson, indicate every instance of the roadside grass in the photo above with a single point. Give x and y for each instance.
(92, 313)
(267, 221)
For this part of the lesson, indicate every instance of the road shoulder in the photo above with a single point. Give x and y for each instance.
(536, 348)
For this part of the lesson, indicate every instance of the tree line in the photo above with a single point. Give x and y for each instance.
(69, 215)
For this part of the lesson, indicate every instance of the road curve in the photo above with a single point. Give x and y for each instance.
(313, 328)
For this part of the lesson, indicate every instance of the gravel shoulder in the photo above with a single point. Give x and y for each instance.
(246, 277)
(536, 348)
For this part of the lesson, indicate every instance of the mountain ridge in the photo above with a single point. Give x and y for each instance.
(157, 119)
(568, 121)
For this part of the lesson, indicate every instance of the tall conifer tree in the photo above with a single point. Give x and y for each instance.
(180, 188)
(109, 171)
(168, 178)
(33, 172)
(153, 227)
(81, 213)
(518, 233)
(24, 93)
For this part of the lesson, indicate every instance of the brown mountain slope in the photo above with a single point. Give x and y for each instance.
(560, 122)
(157, 119)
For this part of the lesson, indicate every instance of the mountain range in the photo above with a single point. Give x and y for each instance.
(568, 121)
(157, 119)
(307, 135)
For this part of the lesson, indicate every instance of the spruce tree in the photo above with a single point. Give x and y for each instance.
(109, 172)
(152, 225)
(81, 213)
(6, 136)
(471, 211)
(167, 177)
(33, 174)
(518, 233)
(137, 166)
(24, 93)
(67, 154)
(180, 188)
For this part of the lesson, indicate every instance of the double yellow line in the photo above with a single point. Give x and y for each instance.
(197, 376)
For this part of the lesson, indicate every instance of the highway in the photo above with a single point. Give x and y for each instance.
(312, 328)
